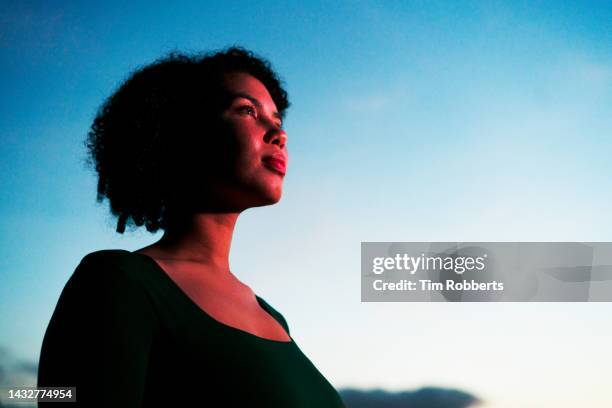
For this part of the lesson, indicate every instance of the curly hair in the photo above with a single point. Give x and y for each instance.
(145, 133)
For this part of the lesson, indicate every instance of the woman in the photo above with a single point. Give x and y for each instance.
(185, 145)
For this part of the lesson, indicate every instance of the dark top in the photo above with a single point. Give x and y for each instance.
(125, 334)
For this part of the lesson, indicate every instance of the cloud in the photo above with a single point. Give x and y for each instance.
(15, 372)
(428, 397)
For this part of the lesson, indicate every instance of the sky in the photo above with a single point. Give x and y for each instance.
(410, 121)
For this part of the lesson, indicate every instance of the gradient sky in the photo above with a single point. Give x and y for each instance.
(411, 121)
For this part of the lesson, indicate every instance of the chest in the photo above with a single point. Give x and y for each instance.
(210, 366)
(228, 302)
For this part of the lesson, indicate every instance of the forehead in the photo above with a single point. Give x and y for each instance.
(243, 83)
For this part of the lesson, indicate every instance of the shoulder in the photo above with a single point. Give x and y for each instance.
(101, 329)
(111, 272)
(275, 314)
(105, 291)
(110, 264)
(113, 258)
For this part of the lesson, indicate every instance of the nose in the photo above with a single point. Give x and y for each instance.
(276, 136)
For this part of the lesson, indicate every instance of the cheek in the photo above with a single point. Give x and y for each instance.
(231, 147)
(248, 149)
(242, 154)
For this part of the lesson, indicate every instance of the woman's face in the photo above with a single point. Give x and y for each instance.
(253, 159)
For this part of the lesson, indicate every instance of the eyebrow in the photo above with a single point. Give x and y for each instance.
(255, 102)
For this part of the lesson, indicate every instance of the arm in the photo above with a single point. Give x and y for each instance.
(99, 336)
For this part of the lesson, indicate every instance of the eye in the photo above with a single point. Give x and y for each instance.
(248, 110)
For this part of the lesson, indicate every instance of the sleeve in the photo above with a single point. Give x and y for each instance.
(99, 337)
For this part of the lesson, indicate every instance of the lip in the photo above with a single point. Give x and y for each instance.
(276, 163)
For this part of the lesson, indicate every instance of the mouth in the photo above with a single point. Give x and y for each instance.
(276, 164)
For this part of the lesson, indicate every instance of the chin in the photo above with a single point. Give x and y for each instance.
(267, 191)
(271, 197)
(258, 195)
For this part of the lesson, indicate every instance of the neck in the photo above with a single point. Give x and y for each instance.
(202, 238)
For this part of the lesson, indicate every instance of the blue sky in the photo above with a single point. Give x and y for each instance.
(411, 121)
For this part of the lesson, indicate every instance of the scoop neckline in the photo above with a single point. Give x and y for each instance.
(203, 312)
